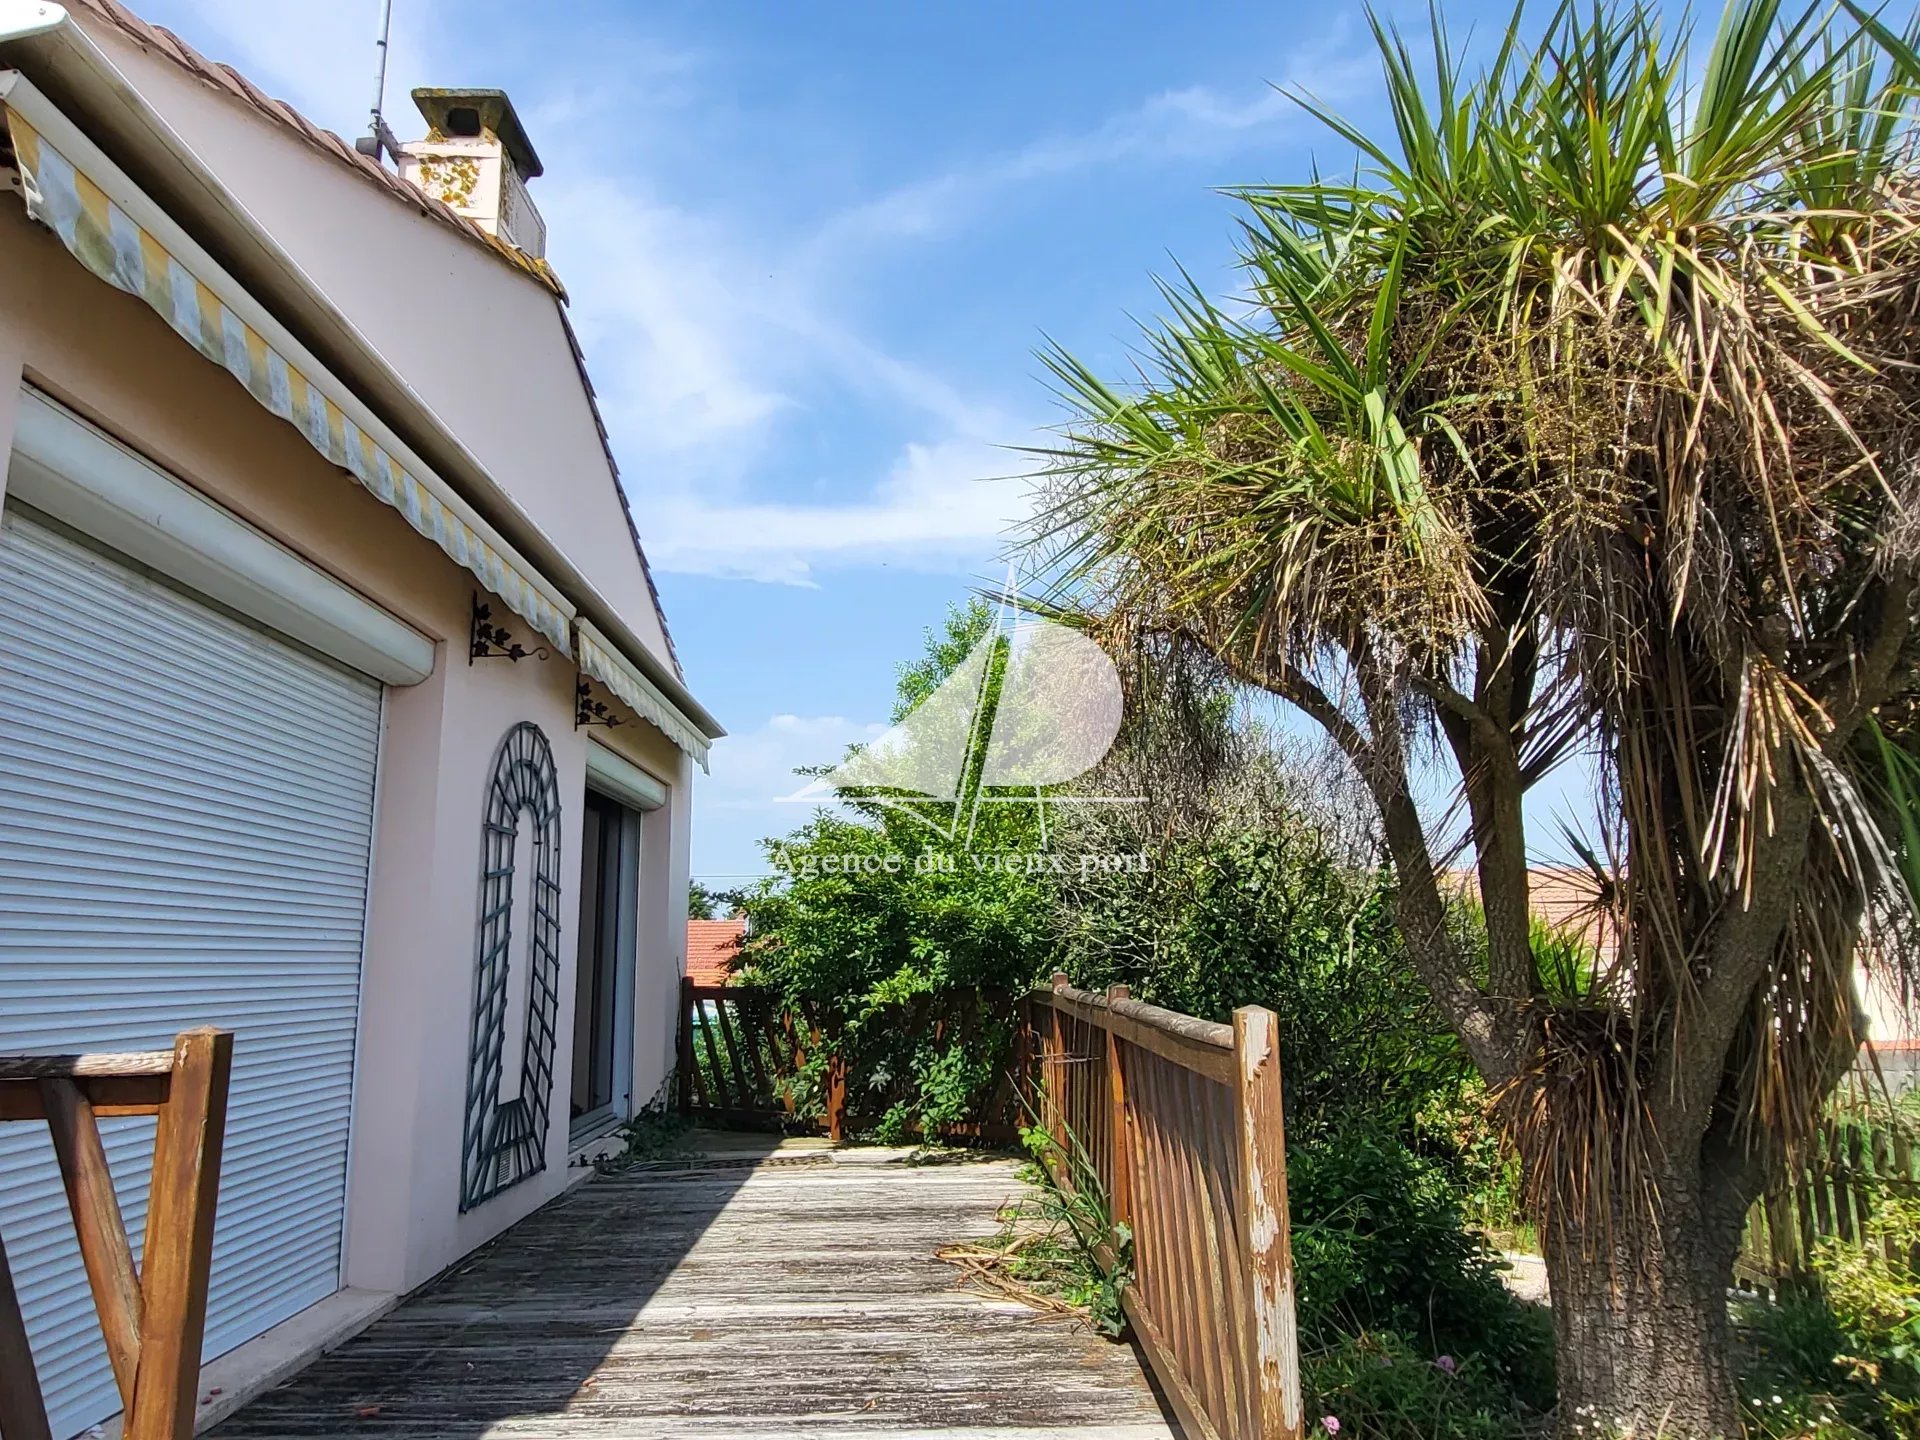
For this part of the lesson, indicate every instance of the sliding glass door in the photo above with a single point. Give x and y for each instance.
(603, 994)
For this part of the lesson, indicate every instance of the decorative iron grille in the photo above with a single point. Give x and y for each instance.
(506, 1135)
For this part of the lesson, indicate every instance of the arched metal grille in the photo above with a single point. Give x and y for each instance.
(506, 1136)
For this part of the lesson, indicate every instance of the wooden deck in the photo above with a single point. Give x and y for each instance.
(783, 1294)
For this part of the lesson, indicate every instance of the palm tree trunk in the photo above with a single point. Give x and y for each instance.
(1641, 1332)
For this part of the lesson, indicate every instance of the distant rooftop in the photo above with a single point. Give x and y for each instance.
(712, 947)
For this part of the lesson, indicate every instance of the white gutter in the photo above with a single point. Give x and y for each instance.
(70, 65)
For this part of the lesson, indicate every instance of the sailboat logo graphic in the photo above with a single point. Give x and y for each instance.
(1051, 717)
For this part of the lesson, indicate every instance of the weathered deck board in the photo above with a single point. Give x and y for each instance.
(796, 1298)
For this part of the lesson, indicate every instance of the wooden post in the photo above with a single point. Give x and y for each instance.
(102, 1234)
(1119, 1129)
(1262, 1204)
(1022, 1063)
(837, 1098)
(179, 1245)
(1054, 1077)
(687, 1063)
(23, 1414)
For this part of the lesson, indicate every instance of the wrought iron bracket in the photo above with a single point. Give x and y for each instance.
(589, 711)
(495, 642)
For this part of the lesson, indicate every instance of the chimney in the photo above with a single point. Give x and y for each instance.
(477, 159)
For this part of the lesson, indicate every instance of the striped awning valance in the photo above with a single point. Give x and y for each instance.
(597, 657)
(185, 287)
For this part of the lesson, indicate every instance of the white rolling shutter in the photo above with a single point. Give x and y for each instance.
(186, 809)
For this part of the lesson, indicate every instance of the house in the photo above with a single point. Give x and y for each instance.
(713, 947)
(336, 702)
(1893, 1034)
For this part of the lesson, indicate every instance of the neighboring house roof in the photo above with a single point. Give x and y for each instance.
(225, 78)
(712, 948)
(1562, 896)
(1567, 897)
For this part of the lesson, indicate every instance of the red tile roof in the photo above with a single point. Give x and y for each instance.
(1566, 897)
(712, 946)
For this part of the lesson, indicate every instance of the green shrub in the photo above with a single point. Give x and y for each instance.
(1267, 914)
(1380, 1246)
(1458, 1126)
(1841, 1357)
(1792, 1381)
(880, 923)
(1381, 1386)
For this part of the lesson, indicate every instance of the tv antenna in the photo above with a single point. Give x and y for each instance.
(379, 139)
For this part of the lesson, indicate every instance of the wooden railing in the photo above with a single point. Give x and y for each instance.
(1178, 1121)
(1853, 1161)
(153, 1316)
(743, 1054)
(738, 1054)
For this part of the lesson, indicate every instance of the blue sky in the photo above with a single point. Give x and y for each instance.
(812, 249)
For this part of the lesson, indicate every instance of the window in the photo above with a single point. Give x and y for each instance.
(603, 992)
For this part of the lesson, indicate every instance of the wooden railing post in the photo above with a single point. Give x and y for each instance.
(153, 1317)
(23, 1414)
(178, 1253)
(837, 1098)
(1053, 1073)
(1021, 1064)
(684, 1080)
(1262, 1204)
(105, 1252)
(1120, 1129)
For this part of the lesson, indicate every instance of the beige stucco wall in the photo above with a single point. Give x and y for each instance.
(107, 356)
(480, 342)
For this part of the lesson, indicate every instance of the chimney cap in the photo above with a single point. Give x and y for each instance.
(493, 110)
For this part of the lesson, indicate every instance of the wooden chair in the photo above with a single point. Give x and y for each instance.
(153, 1317)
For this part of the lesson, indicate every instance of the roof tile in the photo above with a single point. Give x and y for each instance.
(713, 948)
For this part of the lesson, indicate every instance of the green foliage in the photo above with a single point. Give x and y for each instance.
(1270, 916)
(655, 1132)
(1378, 1385)
(1458, 1125)
(1840, 1357)
(880, 923)
(1247, 901)
(1543, 424)
(1379, 1244)
(704, 903)
(1058, 1248)
(1081, 1209)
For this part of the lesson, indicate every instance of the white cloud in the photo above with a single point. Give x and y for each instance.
(1187, 123)
(678, 337)
(754, 769)
(740, 800)
(938, 506)
(706, 331)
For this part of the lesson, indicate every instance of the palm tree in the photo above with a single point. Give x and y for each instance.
(1581, 419)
